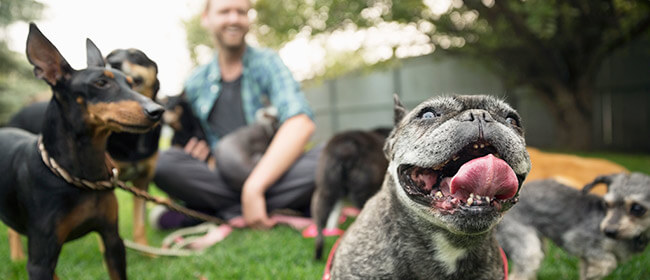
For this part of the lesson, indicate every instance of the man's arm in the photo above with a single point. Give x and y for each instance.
(285, 148)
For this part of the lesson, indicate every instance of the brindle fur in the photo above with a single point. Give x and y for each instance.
(396, 237)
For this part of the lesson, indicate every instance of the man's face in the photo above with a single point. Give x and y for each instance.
(227, 21)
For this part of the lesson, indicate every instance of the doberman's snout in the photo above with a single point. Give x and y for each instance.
(153, 111)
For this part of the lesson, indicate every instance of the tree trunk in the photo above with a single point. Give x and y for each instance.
(572, 113)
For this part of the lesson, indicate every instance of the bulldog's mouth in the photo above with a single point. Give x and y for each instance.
(476, 178)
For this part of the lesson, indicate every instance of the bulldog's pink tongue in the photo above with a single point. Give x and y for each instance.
(485, 176)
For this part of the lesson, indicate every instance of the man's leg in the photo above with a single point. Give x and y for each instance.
(189, 180)
(294, 189)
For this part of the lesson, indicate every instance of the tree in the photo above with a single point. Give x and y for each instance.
(553, 47)
(17, 81)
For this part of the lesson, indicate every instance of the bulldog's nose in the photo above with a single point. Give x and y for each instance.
(153, 111)
(476, 115)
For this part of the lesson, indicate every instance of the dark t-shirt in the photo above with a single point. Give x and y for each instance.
(227, 113)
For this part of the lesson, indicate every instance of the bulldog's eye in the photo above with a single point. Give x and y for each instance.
(512, 120)
(428, 113)
(637, 210)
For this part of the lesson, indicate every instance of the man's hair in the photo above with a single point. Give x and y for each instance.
(207, 5)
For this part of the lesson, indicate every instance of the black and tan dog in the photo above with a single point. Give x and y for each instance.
(456, 165)
(352, 165)
(59, 187)
(135, 154)
(600, 231)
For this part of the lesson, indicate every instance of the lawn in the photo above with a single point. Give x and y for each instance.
(280, 253)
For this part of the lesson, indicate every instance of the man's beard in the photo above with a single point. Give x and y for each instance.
(231, 46)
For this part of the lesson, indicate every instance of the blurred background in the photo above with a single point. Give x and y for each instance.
(577, 71)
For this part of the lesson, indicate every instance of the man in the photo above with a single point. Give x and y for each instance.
(224, 95)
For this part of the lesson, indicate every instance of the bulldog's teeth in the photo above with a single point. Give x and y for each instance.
(456, 158)
(482, 146)
(438, 194)
(487, 199)
(469, 201)
(475, 146)
(478, 197)
(471, 195)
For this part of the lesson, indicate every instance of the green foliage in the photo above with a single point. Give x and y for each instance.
(10, 12)
(196, 35)
(553, 47)
(18, 10)
(17, 84)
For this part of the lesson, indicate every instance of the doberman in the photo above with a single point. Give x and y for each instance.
(58, 187)
(135, 154)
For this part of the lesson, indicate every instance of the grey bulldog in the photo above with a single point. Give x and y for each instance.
(456, 164)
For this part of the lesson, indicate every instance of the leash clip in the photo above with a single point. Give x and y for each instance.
(115, 172)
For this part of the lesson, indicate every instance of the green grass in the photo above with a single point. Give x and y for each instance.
(280, 253)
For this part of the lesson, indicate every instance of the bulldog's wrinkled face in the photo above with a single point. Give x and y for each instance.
(458, 161)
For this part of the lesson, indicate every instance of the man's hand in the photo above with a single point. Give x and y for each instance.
(254, 209)
(198, 149)
(287, 145)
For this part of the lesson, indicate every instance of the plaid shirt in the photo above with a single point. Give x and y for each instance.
(265, 79)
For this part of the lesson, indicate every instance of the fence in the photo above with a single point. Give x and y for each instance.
(362, 101)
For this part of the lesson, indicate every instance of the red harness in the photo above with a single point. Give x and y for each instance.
(328, 267)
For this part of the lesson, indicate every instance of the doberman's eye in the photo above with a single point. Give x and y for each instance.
(101, 83)
(512, 120)
(428, 113)
(637, 210)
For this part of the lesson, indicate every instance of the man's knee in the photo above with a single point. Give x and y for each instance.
(167, 164)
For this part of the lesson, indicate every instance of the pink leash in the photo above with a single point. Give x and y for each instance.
(505, 263)
(328, 267)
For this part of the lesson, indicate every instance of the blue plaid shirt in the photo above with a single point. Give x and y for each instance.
(264, 78)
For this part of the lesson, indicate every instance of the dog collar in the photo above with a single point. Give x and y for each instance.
(77, 182)
(328, 266)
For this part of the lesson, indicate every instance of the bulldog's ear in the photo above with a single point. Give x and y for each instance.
(93, 55)
(399, 110)
(399, 113)
(605, 179)
(49, 64)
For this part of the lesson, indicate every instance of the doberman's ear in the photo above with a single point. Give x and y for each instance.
(605, 179)
(48, 63)
(399, 110)
(93, 55)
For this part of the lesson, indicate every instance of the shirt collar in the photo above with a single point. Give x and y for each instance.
(214, 73)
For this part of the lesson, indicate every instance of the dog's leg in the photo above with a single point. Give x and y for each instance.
(597, 268)
(333, 218)
(139, 213)
(115, 254)
(43, 253)
(15, 246)
(523, 248)
(139, 205)
(323, 202)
